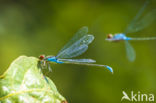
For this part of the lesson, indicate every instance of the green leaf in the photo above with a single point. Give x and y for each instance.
(24, 82)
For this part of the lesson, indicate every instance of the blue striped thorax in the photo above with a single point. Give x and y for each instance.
(53, 59)
(117, 37)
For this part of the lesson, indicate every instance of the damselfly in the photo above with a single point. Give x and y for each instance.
(75, 47)
(137, 24)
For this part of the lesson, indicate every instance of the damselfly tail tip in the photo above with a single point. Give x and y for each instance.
(110, 69)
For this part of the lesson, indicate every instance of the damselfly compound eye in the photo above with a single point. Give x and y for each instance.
(109, 36)
(41, 57)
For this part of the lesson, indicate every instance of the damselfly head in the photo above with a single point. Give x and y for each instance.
(41, 57)
(109, 36)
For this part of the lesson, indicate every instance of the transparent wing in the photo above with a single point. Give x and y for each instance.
(136, 24)
(144, 22)
(130, 51)
(72, 52)
(88, 63)
(77, 60)
(77, 48)
(79, 34)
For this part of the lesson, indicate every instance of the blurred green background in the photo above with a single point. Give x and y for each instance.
(34, 27)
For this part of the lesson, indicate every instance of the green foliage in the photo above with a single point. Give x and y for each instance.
(24, 82)
(35, 27)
